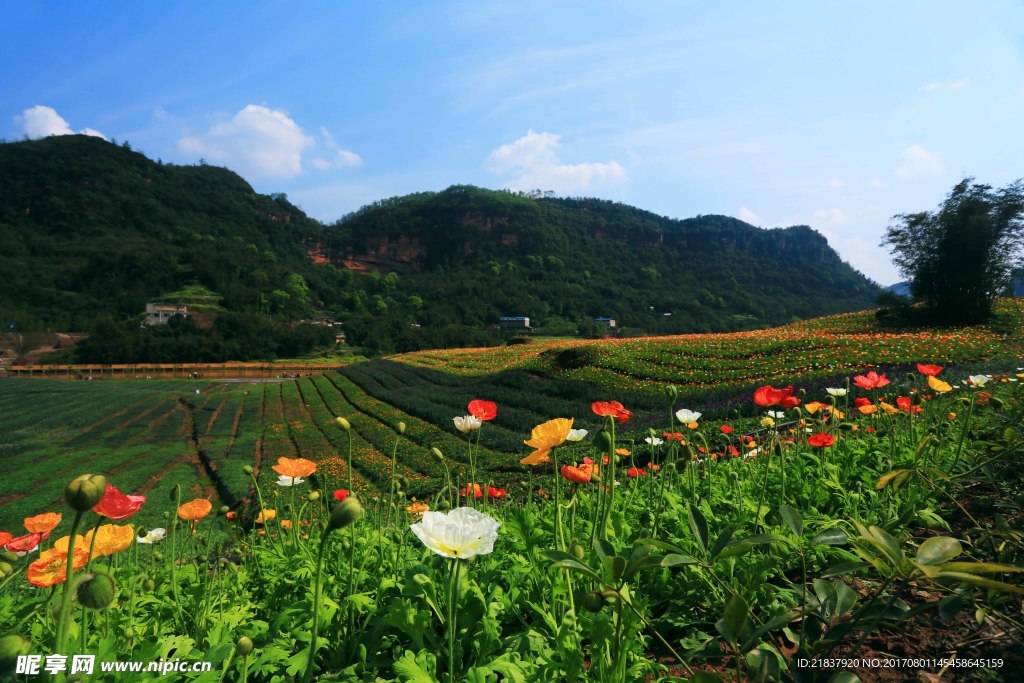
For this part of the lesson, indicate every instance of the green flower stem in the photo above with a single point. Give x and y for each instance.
(453, 589)
(316, 606)
(65, 603)
(963, 436)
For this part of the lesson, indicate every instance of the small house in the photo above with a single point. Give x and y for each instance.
(515, 322)
(160, 313)
(607, 322)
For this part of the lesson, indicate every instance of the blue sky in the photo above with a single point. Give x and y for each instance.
(833, 114)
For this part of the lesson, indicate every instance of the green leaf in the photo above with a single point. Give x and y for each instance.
(938, 549)
(980, 567)
(415, 668)
(832, 536)
(699, 526)
(844, 568)
(733, 619)
(678, 560)
(793, 519)
(981, 581)
(563, 560)
(895, 477)
(723, 540)
(613, 567)
(949, 607)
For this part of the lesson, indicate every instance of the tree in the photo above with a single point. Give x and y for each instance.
(959, 258)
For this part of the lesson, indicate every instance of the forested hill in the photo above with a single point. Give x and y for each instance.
(482, 254)
(91, 230)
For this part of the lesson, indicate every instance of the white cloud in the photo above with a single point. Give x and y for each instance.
(830, 219)
(341, 158)
(877, 184)
(916, 161)
(947, 85)
(834, 183)
(748, 216)
(41, 122)
(257, 140)
(532, 158)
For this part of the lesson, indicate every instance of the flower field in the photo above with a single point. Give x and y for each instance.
(397, 522)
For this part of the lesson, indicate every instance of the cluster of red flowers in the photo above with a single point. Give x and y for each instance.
(477, 491)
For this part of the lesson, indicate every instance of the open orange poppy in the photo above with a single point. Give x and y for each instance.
(51, 567)
(295, 467)
(44, 523)
(546, 436)
(195, 510)
(110, 539)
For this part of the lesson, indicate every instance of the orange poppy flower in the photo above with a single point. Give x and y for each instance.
(622, 451)
(5, 537)
(474, 490)
(61, 543)
(195, 510)
(110, 539)
(44, 523)
(294, 467)
(51, 567)
(546, 436)
(265, 516)
(868, 409)
(286, 524)
(929, 369)
(578, 475)
(417, 508)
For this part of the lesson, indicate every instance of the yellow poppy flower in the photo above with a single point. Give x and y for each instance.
(110, 539)
(546, 436)
(938, 385)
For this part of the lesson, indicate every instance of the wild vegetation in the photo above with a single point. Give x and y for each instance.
(738, 529)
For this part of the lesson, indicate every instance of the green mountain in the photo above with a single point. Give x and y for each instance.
(91, 231)
(476, 255)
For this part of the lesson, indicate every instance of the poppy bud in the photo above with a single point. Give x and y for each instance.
(6, 569)
(577, 550)
(247, 469)
(671, 392)
(437, 453)
(224, 509)
(846, 426)
(996, 403)
(8, 556)
(85, 491)
(243, 646)
(343, 423)
(201, 559)
(603, 441)
(593, 602)
(96, 591)
(149, 585)
(314, 495)
(401, 428)
(11, 647)
(175, 494)
(344, 514)
(911, 377)
(402, 480)
(158, 556)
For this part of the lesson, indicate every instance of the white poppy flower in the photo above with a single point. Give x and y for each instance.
(462, 533)
(979, 380)
(289, 481)
(154, 536)
(467, 423)
(777, 414)
(686, 416)
(654, 441)
(576, 435)
(832, 391)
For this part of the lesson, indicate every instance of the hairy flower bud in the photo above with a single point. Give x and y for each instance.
(577, 550)
(6, 569)
(247, 469)
(175, 494)
(603, 441)
(8, 556)
(671, 392)
(343, 423)
(314, 495)
(11, 647)
(593, 602)
(401, 428)
(96, 591)
(345, 513)
(437, 453)
(243, 646)
(85, 491)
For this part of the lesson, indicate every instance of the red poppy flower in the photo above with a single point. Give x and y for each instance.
(907, 406)
(770, 396)
(726, 429)
(653, 467)
(674, 436)
(928, 369)
(483, 410)
(733, 451)
(861, 402)
(5, 537)
(789, 402)
(872, 380)
(340, 494)
(476, 490)
(983, 398)
(496, 493)
(116, 505)
(820, 440)
(24, 544)
(613, 408)
(231, 515)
